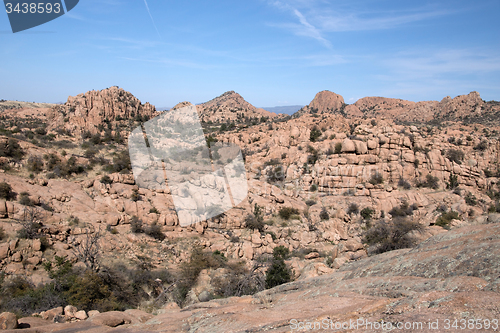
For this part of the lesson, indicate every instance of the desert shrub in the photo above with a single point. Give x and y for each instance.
(272, 161)
(286, 212)
(275, 174)
(70, 167)
(154, 230)
(255, 220)
(445, 219)
(315, 134)
(279, 272)
(313, 188)
(190, 271)
(470, 199)
(455, 155)
(353, 208)
(403, 210)
(24, 199)
(494, 208)
(366, 213)
(6, 192)
(452, 182)
(376, 179)
(481, 146)
(121, 162)
(11, 149)
(135, 195)
(404, 184)
(106, 180)
(35, 164)
(388, 236)
(136, 225)
(310, 202)
(324, 214)
(313, 156)
(239, 281)
(338, 148)
(31, 222)
(430, 182)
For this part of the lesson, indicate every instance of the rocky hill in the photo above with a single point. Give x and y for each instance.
(86, 112)
(230, 107)
(330, 187)
(465, 108)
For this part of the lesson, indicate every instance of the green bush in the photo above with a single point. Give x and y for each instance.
(403, 210)
(388, 236)
(136, 225)
(353, 208)
(366, 213)
(135, 195)
(255, 220)
(11, 149)
(6, 192)
(279, 272)
(286, 212)
(324, 214)
(154, 231)
(452, 182)
(35, 164)
(455, 155)
(482, 146)
(430, 182)
(315, 134)
(24, 199)
(470, 199)
(338, 148)
(404, 184)
(106, 180)
(376, 179)
(310, 202)
(445, 219)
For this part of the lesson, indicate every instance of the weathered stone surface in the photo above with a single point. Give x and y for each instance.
(8, 321)
(111, 319)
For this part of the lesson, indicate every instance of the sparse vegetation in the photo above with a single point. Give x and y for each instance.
(353, 208)
(376, 179)
(445, 219)
(286, 212)
(430, 182)
(388, 236)
(323, 215)
(6, 192)
(367, 213)
(455, 155)
(279, 272)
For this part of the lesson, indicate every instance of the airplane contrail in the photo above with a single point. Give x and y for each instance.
(152, 20)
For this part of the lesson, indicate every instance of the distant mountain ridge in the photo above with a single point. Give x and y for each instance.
(285, 109)
(468, 108)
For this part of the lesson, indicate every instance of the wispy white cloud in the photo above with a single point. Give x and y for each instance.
(308, 30)
(445, 61)
(151, 16)
(319, 17)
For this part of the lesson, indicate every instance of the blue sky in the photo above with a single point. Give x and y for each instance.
(271, 52)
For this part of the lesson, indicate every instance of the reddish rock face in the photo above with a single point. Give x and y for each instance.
(230, 107)
(85, 112)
